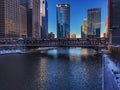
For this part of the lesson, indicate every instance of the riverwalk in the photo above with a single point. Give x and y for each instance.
(111, 74)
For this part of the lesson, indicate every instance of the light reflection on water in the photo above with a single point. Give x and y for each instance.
(61, 69)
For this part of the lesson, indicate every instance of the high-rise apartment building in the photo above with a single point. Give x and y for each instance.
(94, 23)
(63, 21)
(44, 19)
(114, 21)
(9, 18)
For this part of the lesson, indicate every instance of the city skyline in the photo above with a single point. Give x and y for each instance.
(78, 13)
(79, 50)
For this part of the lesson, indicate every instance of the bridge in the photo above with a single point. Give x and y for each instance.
(37, 42)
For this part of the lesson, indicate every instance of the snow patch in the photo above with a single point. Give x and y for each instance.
(9, 51)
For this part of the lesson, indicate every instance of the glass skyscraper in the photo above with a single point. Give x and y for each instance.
(63, 21)
(94, 23)
(114, 20)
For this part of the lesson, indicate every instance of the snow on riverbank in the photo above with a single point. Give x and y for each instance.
(46, 48)
(2, 52)
(114, 70)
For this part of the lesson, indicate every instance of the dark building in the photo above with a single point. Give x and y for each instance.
(44, 19)
(94, 23)
(63, 21)
(33, 17)
(114, 21)
(51, 35)
(23, 21)
(9, 18)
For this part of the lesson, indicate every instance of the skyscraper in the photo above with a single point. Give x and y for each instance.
(44, 19)
(63, 21)
(114, 20)
(106, 27)
(94, 22)
(23, 21)
(9, 18)
(33, 17)
(84, 29)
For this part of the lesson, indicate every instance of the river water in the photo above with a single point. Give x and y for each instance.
(58, 69)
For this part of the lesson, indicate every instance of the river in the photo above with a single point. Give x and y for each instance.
(58, 69)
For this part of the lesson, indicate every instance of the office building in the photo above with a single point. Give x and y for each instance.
(51, 35)
(82, 33)
(73, 36)
(33, 17)
(84, 29)
(106, 28)
(114, 21)
(63, 21)
(104, 35)
(94, 23)
(23, 21)
(9, 18)
(44, 19)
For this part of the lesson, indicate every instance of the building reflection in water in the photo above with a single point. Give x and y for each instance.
(61, 69)
(42, 72)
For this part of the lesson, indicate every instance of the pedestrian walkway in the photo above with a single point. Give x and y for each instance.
(110, 81)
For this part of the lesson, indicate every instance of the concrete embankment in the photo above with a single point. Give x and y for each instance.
(111, 68)
(111, 74)
(115, 50)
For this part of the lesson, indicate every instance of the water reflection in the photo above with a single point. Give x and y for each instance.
(61, 69)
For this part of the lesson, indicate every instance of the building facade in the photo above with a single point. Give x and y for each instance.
(114, 21)
(33, 17)
(44, 19)
(84, 28)
(23, 21)
(9, 18)
(94, 23)
(63, 21)
(106, 27)
(51, 35)
(73, 36)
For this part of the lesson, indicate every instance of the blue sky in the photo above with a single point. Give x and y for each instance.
(78, 13)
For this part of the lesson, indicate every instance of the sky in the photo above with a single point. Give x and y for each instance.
(78, 11)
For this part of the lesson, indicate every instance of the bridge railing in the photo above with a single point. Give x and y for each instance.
(52, 42)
